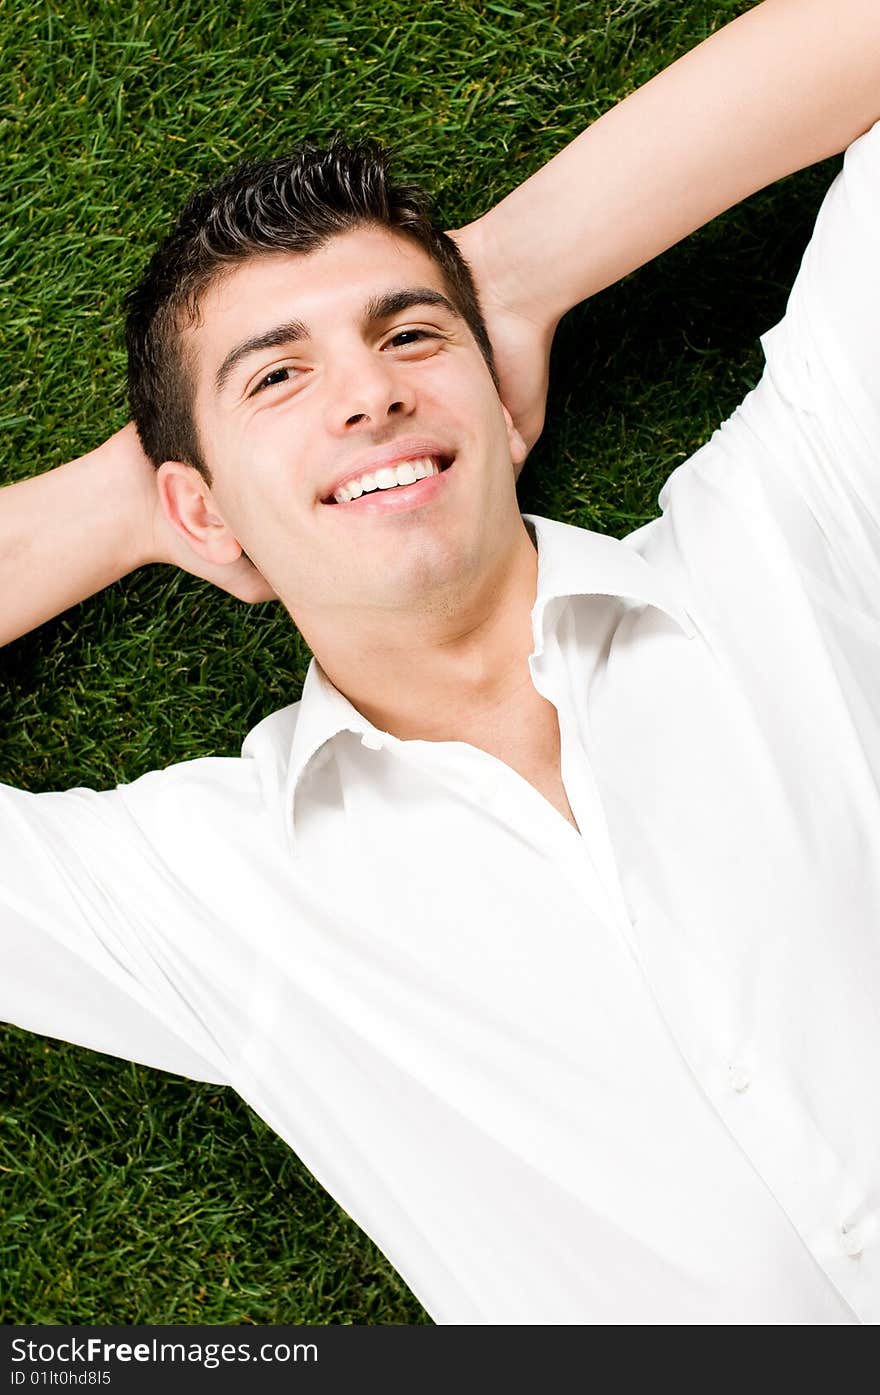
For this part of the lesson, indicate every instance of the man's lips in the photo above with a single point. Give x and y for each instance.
(396, 500)
(399, 453)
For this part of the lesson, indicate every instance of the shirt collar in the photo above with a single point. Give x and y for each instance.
(577, 562)
(572, 561)
(324, 712)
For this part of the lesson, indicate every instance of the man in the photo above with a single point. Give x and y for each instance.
(544, 927)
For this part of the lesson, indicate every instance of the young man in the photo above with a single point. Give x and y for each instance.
(544, 926)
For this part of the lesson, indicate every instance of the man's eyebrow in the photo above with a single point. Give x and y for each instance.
(382, 307)
(379, 307)
(275, 338)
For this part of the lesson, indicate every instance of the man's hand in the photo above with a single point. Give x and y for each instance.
(521, 344)
(68, 533)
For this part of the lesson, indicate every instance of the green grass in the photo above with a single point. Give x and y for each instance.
(127, 1196)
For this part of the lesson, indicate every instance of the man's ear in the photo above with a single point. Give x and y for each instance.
(518, 448)
(189, 510)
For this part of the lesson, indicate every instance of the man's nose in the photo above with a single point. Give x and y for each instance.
(367, 394)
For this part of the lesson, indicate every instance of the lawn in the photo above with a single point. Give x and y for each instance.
(127, 1196)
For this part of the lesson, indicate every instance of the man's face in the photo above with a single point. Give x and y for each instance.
(319, 376)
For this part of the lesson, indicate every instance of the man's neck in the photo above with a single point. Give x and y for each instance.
(450, 671)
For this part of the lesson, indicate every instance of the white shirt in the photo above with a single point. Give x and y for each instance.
(623, 1076)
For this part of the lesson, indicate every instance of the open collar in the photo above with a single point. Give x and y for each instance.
(577, 562)
(572, 561)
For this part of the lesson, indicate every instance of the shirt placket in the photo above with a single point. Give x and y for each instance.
(589, 858)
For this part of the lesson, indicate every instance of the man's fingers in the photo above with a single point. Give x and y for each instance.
(247, 585)
(240, 579)
(253, 589)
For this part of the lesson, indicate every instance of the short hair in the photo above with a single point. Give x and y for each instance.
(292, 204)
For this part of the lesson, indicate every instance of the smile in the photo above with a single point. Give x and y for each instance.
(388, 477)
(393, 478)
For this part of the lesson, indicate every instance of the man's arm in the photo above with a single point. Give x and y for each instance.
(785, 85)
(68, 533)
(88, 911)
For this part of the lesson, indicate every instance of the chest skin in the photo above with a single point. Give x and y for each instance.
(524, 734)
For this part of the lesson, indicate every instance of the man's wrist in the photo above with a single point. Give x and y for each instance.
(500, 266)
(119, 477)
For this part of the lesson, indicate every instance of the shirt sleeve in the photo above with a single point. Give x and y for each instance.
(822, 357)
(797, 465)
(83, 955)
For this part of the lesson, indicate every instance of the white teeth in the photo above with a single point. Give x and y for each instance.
(387, 477)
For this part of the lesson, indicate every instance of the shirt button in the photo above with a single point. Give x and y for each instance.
(851, 1241)
(372, 740)
(739, 1078)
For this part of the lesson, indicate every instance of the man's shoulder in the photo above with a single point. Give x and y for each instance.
(208, 787)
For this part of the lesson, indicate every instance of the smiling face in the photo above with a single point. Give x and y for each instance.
(358, 449)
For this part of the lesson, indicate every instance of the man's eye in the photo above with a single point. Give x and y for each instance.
(278, 375)
(410, 336)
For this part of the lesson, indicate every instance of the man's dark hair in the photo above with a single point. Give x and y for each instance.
(292, 204)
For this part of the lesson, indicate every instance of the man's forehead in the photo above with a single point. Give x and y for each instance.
(347, 269)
